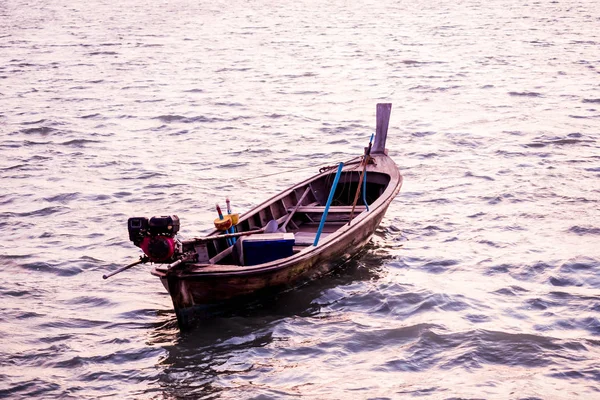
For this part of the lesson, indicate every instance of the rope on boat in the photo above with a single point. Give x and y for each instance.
(355, 160)
(362, 180)
(331, 167)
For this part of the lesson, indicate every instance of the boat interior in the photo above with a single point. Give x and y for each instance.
(298, 212)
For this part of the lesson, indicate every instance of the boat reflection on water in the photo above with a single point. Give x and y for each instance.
(234, 343)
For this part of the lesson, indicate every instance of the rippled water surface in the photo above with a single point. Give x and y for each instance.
(483, 280)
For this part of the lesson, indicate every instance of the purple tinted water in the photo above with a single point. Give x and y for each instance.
(482, 282)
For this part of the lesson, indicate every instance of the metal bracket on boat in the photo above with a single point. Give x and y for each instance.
(191, 256)
(353, 161)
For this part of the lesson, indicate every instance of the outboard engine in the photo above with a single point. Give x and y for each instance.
(155, 236)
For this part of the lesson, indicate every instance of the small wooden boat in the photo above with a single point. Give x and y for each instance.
(299, 234)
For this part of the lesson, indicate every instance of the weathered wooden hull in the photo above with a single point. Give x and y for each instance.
(223, 277)
(200, 285)
(189, 290)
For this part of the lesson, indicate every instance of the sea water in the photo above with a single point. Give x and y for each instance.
(481, 282)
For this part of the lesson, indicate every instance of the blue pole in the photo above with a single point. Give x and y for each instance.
(329, 200)
(221, 218)
(232, 229)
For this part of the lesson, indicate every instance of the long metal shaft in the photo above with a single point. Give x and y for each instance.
(142, 260)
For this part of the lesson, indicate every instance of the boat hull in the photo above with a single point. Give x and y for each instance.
(222, 277)
(194, 290)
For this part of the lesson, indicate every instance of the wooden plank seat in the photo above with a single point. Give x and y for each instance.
(333, 209)
(307, 238)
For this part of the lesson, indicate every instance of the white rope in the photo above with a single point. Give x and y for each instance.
(291, 170)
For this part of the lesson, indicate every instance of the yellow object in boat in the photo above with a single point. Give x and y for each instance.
(223, 224)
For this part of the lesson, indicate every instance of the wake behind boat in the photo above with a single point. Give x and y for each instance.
(299, 234)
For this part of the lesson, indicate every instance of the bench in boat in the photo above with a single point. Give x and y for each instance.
(332, 209)
(306, 236)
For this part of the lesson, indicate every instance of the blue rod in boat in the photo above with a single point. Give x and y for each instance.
(232, 229)
(364, 191)
(329, 200)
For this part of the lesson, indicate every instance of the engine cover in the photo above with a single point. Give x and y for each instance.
(158, 248)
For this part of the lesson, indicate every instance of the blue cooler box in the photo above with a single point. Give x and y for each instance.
(267, 247)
